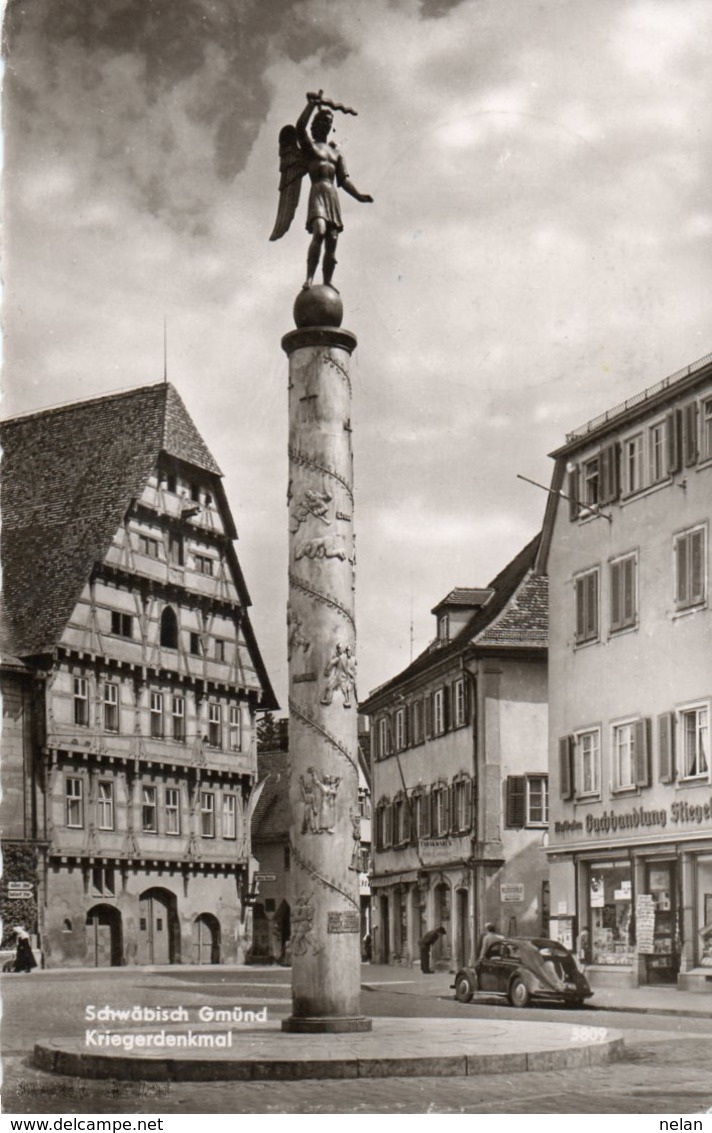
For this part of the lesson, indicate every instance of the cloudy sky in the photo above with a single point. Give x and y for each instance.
(538, 249)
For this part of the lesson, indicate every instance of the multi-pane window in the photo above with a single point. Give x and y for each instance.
(229, 816)
(438, 712)
(172, 810)
(148, 546)
(105, 806)
(384, 824)
(220, 649)
(707, 428)
(121, 624)
(440, 810)
(417, 725)
(444, 627)
(207, 814)
(537, 800)
(656, 452)
(694, 729)
(586, 589)
(591, 483)
(234, 728)
(178, 717)
(157, 715)
(623, 756)
(633, 463)
(203, 564)
(103, 882)
(400, 729)
(74, 798)
(81, 701)
(214, 724)
(624, 592)
(690, 567)
(461, 804)
(384, 747)
(111, 707)
(459, 703)
(589, 762)
(149, 810)
(400, 825)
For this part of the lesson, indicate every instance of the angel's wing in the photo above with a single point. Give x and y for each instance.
(292, 168)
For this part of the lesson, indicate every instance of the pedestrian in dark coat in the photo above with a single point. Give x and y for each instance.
(426, 944)
(24, 958)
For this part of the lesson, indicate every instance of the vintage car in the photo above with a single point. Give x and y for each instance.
(524, 970)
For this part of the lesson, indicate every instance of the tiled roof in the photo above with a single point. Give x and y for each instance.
(515, 615)
(272, 816)
(467, 596)
(68, 476)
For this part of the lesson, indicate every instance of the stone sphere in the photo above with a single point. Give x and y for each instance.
(318, 306)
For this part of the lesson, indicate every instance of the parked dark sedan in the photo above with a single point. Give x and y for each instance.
(524, 970)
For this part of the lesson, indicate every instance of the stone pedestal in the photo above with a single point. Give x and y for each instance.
(325, 826)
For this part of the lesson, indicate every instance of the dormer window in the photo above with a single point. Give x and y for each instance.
(444, 627)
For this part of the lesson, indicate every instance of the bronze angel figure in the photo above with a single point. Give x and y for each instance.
(305, 148)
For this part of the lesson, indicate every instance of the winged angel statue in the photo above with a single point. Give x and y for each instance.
(305, 148)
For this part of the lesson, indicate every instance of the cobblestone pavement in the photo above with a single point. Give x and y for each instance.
(667, 1070)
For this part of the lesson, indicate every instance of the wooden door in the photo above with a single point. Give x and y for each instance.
(154, 929)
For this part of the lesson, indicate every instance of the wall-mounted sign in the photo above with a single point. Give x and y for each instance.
(512, 892)
(639, 818)
(343, 922)
(645, 923)
(265, 876)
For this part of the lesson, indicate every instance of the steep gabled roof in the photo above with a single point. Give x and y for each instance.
(465, 597)
(516, 615)
(68, 477)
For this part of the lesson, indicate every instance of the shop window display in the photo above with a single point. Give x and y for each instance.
(611, 913)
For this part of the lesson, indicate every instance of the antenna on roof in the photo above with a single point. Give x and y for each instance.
(165, 349)
(411, 615)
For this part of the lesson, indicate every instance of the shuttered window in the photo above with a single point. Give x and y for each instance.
(566, 778)
(666, 747)
(624, 592)
(586, 590)
(706, 452)
(516, 800)
(694, 742)
(609, 463)
(623, 752)
(673, 427)
(588, 770)
(689, 433)
(690, 567)
(459, 704)
(657, 463)
(572, 491)
(641, 753)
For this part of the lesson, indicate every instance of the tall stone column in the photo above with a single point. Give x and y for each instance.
(325, 826)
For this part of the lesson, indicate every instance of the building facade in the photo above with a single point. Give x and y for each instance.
(135, 677)
(459, 775)
(627, 554)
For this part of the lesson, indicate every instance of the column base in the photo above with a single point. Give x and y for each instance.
(329, 1024)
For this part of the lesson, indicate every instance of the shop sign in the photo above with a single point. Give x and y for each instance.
(513, 892)
(611, 821)
(265, 876)
(437, 851)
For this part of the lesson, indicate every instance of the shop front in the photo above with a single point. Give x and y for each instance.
(647, 910)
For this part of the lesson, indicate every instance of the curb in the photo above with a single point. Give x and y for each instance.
(51, 1058)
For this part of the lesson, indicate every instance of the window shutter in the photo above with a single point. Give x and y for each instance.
(573, 492)
(428, 701)
(406, 727)
(689, 432)
(608, 464)
(674, 445)
(447, 714)
(697, 570)
(616, 612)
(427, 823)
(566, 779)
(629, 569)
(516, 800)
(666, 747)
(642, 754)
(681, 554)
(407, 825)
(447, 809)
(467, 788)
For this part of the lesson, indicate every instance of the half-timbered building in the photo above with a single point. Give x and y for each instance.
(133, 677)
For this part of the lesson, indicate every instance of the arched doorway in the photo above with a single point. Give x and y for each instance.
(103, 937)
(158, 931)
(206, 939)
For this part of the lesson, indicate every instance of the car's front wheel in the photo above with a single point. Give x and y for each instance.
(519, 993)
(464, 987)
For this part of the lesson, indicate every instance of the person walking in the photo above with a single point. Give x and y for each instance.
(24, 958)
(426, 944)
